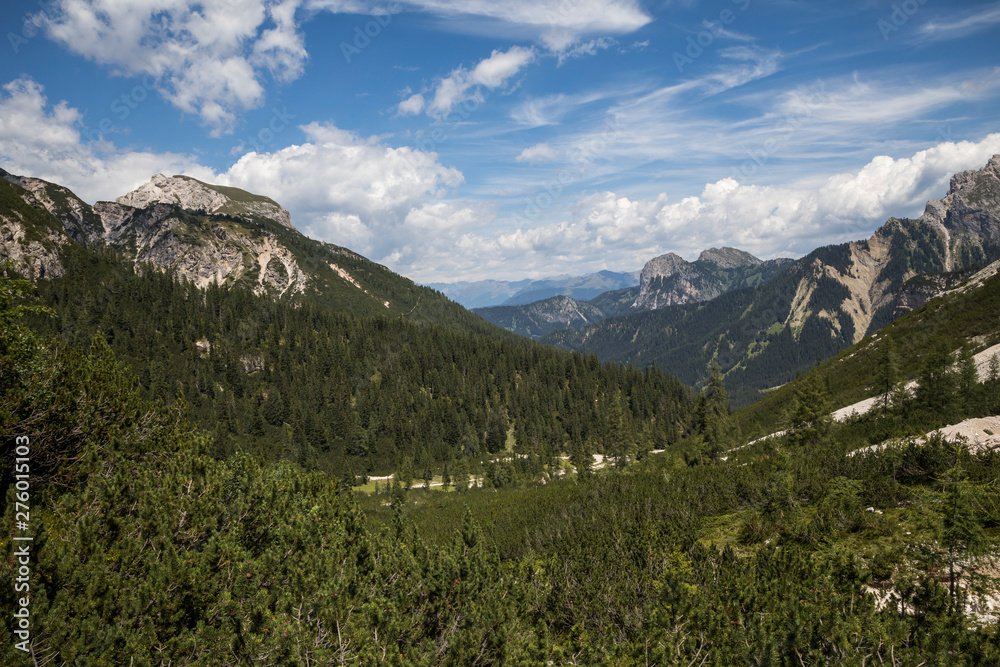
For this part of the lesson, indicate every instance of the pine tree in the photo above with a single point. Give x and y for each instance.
(446, 477)
(809, 418)
(582, 461)
(961, 531)
(461, 475)
(968, 376)
(936, 391)
(887, 372)
(713, 415)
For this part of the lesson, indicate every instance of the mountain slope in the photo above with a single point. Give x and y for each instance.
(965, 315)
(828, 300)
(534, 320)
(217, 235)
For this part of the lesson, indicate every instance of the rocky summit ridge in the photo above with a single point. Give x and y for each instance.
(209, 235)
(193, 195)
(670, 280)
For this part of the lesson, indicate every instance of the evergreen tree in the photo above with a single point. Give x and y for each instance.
(809, 418)
(961, 531)
(713, 415)
(936, 391)
(404, 473)
(582, 461)
(461, 475)
(887, 372)
(967, 376)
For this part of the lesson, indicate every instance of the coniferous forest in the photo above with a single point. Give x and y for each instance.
(198, 460)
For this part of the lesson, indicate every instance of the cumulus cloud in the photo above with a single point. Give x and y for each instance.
(382, 201)
(609, 230)
(344, 188)
(47, 141)
(396, 204)
(207, 58)
(212, 59)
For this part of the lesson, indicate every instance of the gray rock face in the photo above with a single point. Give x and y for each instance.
(652, 294)
(969, 215)
(669, 280)
(222, 253)
(76, 215)
(193, 195)
(728, 258)
(33, 258)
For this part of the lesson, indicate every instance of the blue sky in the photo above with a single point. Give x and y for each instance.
(458, 140)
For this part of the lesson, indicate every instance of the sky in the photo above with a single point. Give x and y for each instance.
(466, 140)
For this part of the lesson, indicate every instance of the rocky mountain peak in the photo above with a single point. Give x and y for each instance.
(663, 266)
(728, 258)
(193, 195)
(969, 215)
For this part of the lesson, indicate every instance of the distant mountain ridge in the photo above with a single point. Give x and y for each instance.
(830, 299)
(485, 293)
(664, 281)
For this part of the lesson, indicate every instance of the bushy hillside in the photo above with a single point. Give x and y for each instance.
(160, 553)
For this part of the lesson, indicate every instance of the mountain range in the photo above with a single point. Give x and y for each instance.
(762, 321)
(664, 280)
(485, 293)
(765, 334)
(209, 234)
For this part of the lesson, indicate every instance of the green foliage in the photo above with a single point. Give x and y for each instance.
(809, 415)
(356, 394)
(161, 542)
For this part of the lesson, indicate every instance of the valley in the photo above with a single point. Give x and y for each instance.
(297, 456)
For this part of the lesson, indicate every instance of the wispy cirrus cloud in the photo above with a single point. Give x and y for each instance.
(956, 25)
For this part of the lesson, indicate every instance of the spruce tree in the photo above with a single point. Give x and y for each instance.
(809, 418)
(887, 372)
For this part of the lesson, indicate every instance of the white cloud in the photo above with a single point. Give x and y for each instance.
(609, 230)
(212, 59)
(588, 48)
(45, 141)
(394, 204)
(538, 153)
(346, 189)
(558, 24)
(960, 24)
(381, 201)
(490, 73)
(207, 58)
(412, 105)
